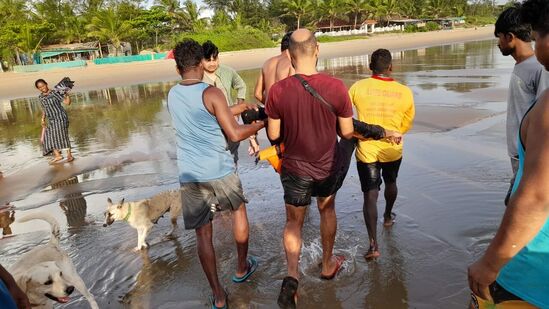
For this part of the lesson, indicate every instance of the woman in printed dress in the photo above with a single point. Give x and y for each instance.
(56, 135)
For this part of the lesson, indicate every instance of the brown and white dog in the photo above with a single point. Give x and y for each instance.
(142, 215)
(46, 273)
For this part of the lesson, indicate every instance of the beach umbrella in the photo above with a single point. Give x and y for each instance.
(170, 55)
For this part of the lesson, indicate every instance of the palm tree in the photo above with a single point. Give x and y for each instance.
(12, 11)
(357, 7)
(171, 6)
(411, 8)
(192, 13)
(107, 26)
(392, 9)
(332, 9)
(178, 16)
(458, 7)
(74, 29)
(297, 9)
(385, 9)
(436, 8)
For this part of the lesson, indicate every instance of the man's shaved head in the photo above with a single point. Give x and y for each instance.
(302, 44)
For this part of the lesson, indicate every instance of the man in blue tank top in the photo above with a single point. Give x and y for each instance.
(515, 267)
(203, 122)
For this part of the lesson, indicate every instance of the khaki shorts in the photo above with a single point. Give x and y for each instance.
(200, 200)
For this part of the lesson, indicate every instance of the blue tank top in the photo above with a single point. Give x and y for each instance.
(202, 152)
(6, 301)
(527, 274)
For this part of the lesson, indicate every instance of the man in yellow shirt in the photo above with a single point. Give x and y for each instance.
(383, 101)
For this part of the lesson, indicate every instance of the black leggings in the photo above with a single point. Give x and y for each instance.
(499, 294)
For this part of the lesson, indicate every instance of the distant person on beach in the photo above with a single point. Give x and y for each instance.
(309, 168)
(56, 135)
(514, 38)
(226, 79)
(207, 171)
(274, 69)
(383, 101)
(11, 296)
(514, 268)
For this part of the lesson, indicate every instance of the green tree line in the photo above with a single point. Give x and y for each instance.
(25, 26)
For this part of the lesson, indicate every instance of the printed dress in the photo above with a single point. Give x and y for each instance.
(57, 130)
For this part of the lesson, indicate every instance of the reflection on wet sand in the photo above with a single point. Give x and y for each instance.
(73, 204)
(154, 274)
(387, 277)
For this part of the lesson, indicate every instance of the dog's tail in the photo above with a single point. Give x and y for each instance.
(48, 218)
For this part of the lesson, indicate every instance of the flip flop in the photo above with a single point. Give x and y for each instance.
(391, 221)
(339, 262)
(226, 306)
(252, 266)
(288, 293)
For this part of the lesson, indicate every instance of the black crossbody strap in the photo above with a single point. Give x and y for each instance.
(314, 93)
(367, 130)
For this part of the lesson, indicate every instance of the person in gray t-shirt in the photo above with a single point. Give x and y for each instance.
(514, 38)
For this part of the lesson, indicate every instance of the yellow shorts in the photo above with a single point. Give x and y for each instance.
(479, 303)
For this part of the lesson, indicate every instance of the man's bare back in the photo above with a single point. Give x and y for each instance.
(274, 69)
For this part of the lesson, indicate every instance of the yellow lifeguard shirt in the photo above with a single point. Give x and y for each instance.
(385, 102)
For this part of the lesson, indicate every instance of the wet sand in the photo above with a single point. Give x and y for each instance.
(451, 187)
(18, 85)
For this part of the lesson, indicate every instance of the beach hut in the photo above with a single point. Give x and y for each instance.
(68, 52)
(343, 27)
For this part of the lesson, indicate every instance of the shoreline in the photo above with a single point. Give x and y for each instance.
(21, 85)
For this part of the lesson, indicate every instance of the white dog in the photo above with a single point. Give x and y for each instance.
(46, 273)
(142, 215)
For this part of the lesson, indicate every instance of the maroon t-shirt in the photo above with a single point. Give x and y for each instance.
(308, 128)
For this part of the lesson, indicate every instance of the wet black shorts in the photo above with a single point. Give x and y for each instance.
(499, 295)
(370, 174)
(298, 190)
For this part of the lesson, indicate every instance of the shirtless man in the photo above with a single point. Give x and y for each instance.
(275, 69)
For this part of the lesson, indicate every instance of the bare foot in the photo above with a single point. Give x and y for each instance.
(372, 254)
(338, 262)
(70, 159)
(55, 160)
(389, 221)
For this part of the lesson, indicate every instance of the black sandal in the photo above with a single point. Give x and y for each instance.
(286, 298)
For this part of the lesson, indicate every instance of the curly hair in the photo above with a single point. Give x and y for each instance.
(536, 13)
(380, 61)
(510, 21)
(187, 54)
